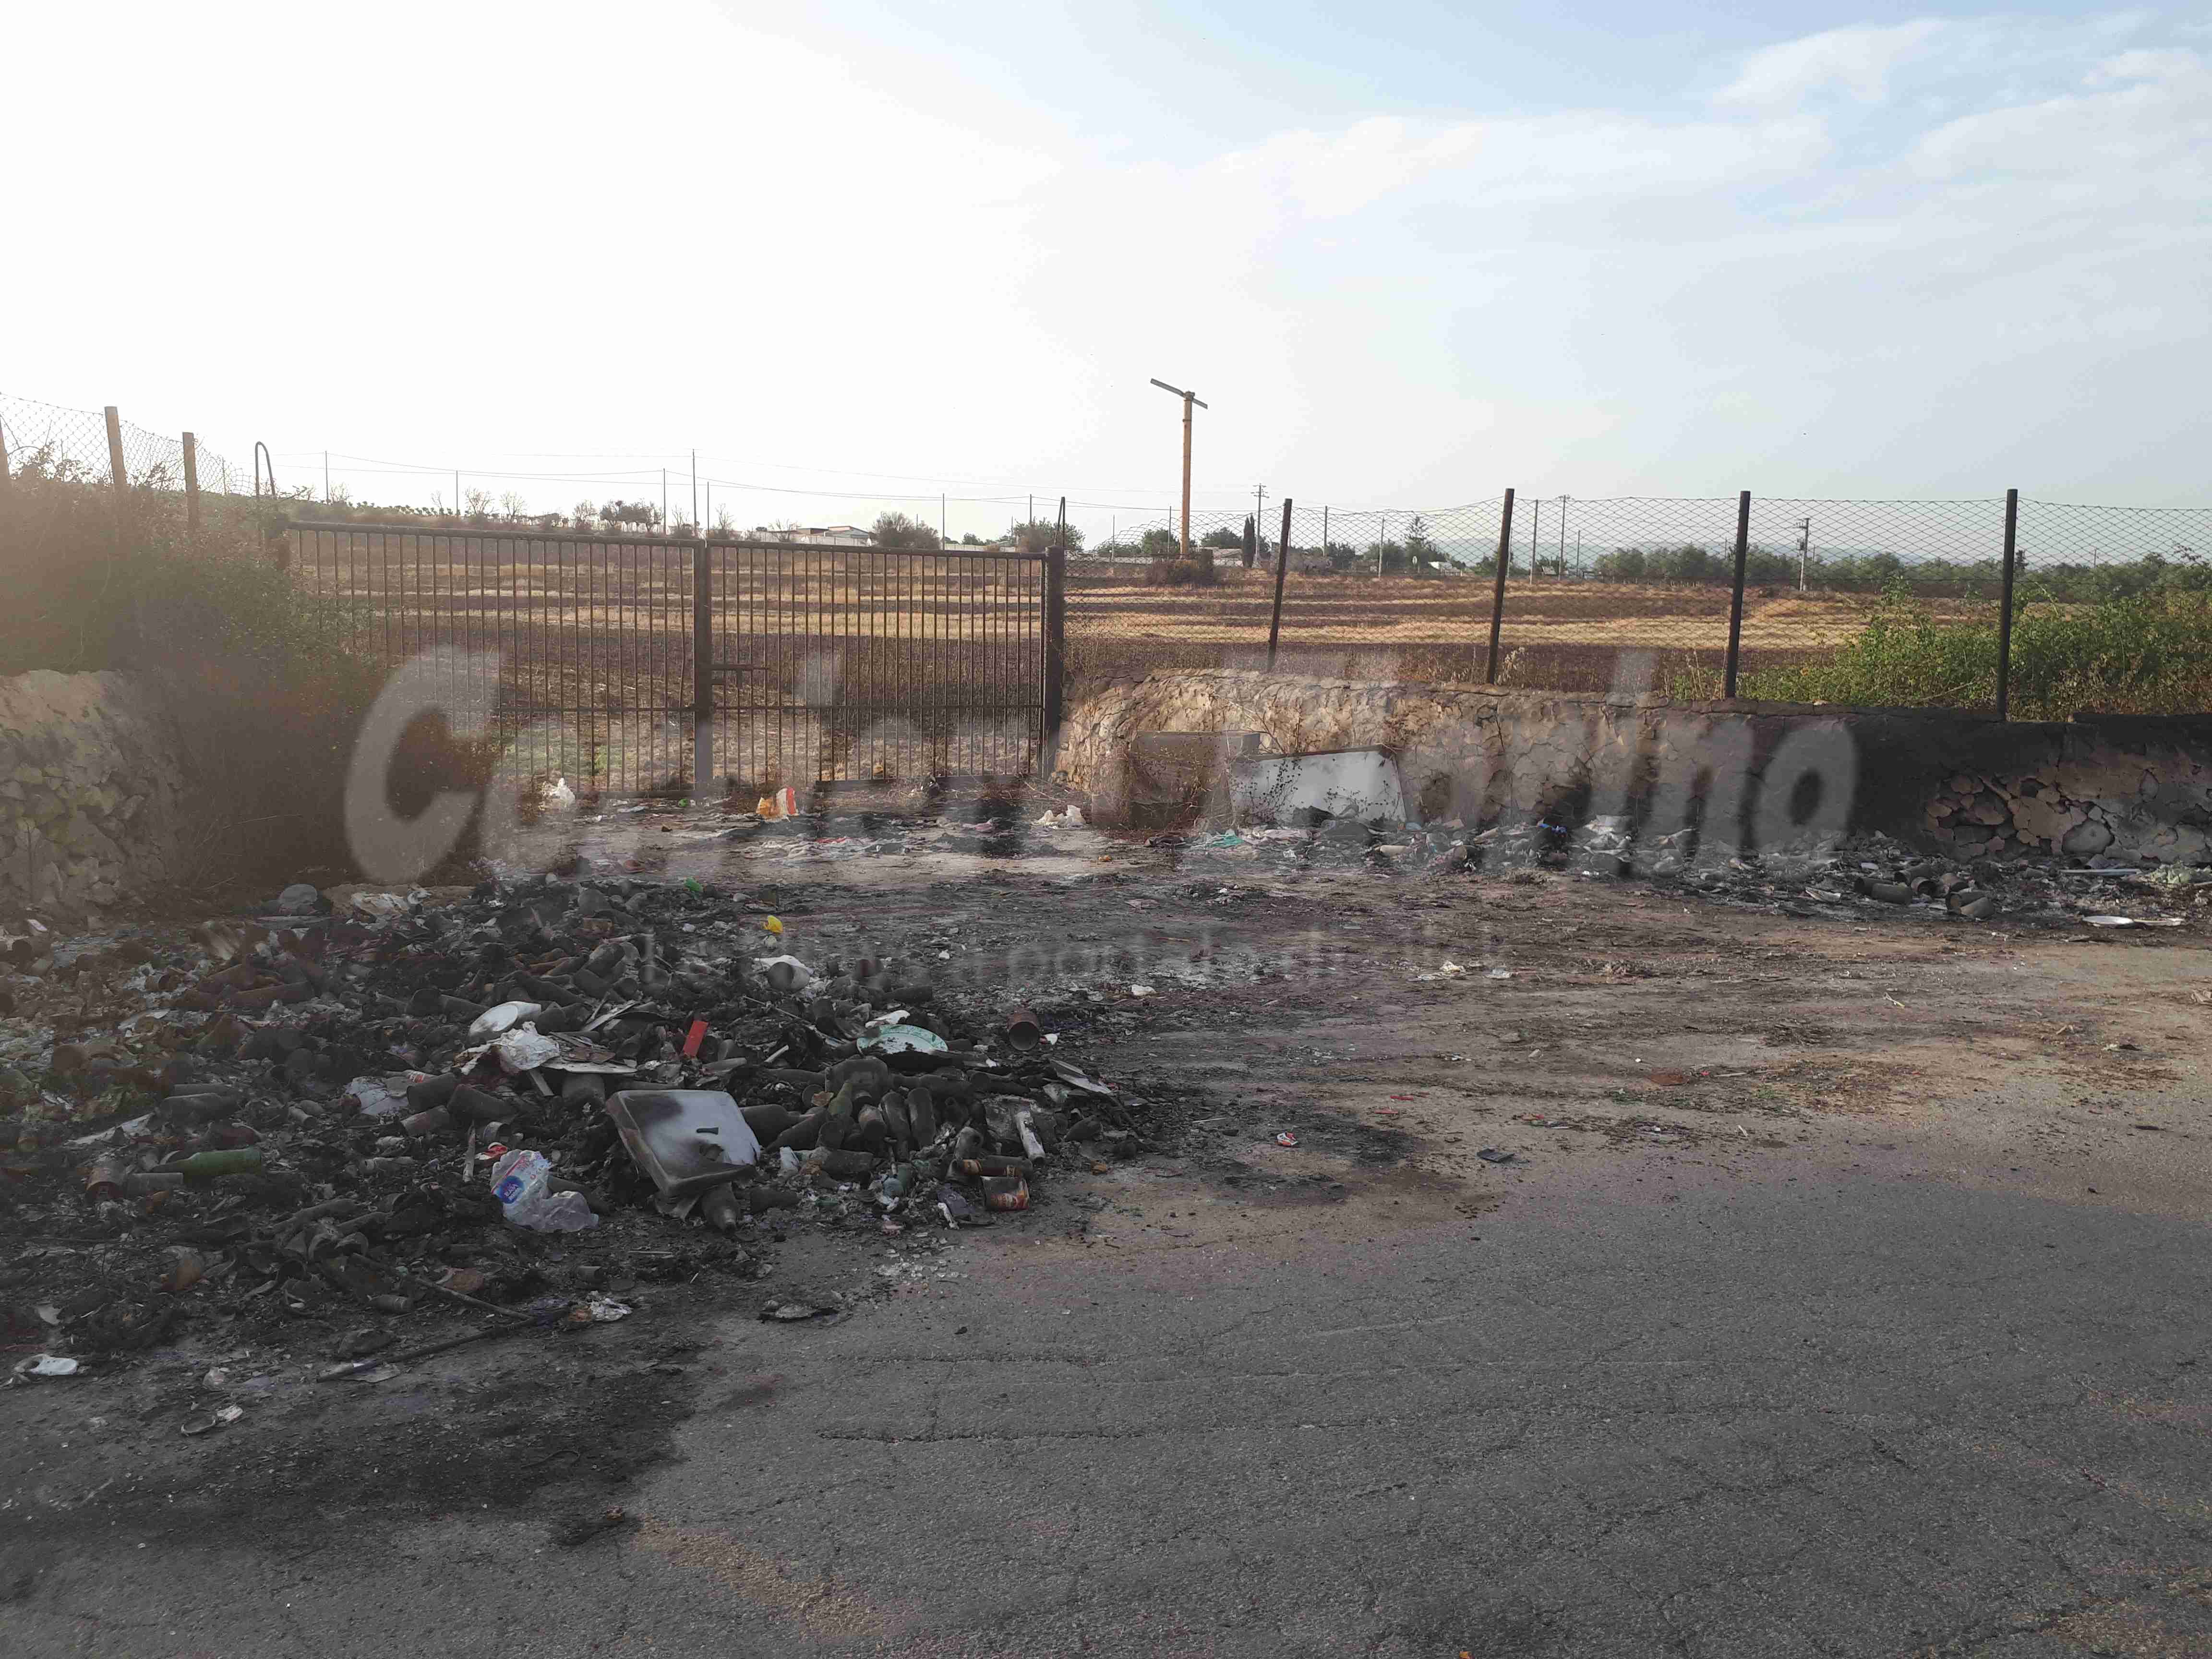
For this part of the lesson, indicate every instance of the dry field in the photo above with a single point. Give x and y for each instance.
(1567, 636)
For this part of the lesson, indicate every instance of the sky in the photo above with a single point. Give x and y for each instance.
(1408, 253)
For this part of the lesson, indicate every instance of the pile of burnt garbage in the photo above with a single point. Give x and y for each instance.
(1814, 876)
(397, 1102)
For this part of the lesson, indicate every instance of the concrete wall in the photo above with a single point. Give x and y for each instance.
(1962, 784)
(90, 796)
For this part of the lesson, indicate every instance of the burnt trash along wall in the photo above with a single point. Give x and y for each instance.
(91, 795)
(2131, 786)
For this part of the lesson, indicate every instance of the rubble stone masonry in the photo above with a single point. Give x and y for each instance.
(2136, 787)
(91, 795)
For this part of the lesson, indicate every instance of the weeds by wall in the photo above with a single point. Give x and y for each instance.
(2143, 653)
(252, 674)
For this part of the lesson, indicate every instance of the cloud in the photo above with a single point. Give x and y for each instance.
(535, 238)
(2149, 113)
(1860, 59)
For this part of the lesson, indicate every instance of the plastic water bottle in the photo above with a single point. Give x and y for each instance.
(518, 1182)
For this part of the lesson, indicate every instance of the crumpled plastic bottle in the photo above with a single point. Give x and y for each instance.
(518, 1180)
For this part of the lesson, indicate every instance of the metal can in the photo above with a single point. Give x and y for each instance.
(1006, 1193)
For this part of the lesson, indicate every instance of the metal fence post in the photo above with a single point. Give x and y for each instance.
(2004, 623)
(192, 485)
(702, 673)
(1735, 594)
(1282, 570)
(1498, 593)
(1056, 655)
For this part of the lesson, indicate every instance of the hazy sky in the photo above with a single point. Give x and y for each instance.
(1410, 253)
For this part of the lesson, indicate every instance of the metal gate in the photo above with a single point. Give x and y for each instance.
(607, 657)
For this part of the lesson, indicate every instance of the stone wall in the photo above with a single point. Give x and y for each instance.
(2128, 786)
(90, 795)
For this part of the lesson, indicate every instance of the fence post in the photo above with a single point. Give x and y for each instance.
(192, 485)
(703, 673)
(1282, 570)
(2004, 623)
(1055, 656)
(1498, 593)
(115, 453)
(1735, 595)
(5, 479)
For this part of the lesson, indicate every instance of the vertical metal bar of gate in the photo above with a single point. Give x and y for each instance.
(702, 673)
(1056, 658)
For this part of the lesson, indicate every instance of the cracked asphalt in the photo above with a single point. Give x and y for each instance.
(1790, 1328)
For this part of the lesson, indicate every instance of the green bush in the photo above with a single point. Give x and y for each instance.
(2146, 652)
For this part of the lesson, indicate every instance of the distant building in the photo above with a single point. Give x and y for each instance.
(818, 534)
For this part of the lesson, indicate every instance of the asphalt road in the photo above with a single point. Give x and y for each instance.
(1888, 1337)
(1848, 1410)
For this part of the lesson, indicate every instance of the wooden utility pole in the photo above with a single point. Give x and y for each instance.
(117, 472)
(1189, 401)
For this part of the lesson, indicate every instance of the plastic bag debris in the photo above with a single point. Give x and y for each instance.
(524, 1048)
(597, 1309)
(519, 1183)
(383, 1097)
(47, 1364)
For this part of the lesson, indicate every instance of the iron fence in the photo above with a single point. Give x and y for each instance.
(604, 657)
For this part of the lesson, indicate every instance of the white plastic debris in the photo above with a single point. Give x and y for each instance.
(503, 1016)
(523, 1049)
(784, 973)
(47, 1364)
(384, 1095)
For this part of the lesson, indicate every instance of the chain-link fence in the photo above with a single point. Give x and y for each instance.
(1870, 602)
(1894, 603)
(51, 440)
